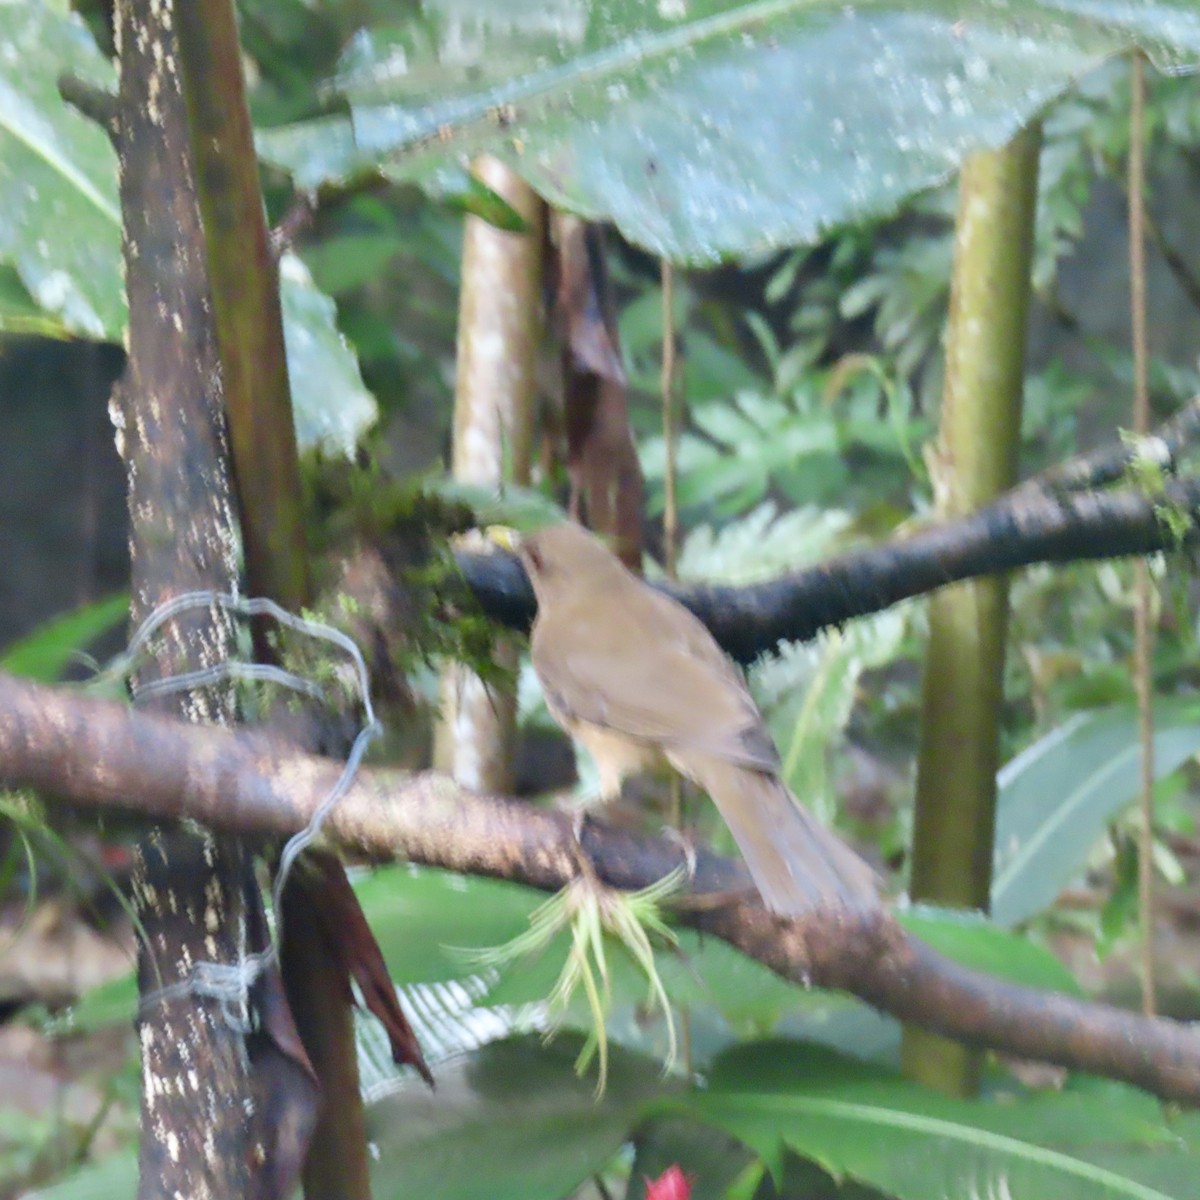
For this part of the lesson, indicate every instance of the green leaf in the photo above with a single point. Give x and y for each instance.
(813, 686)
(747, 443)
(20, 313)
(1170, 1169)
(424, 919)
(509, 1121)
(524, 509)
(43, 654)
(863, 1122)
(59, 213)
(845, 1024)
(343, 261)
(112, 1003)
(972, 940)
(715, 127)
(60, 223)
(331, 403)
(760, 544)
(486, 203)
(111, 1177)
(1056, 798)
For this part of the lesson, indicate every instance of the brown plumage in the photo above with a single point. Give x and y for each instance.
(636, 678)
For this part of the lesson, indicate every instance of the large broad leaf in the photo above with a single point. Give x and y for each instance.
(112, 1178)
(873, 1126)
(331, 403)
(60, 227)
(60, 223)
(511, 1120)
(849, 1026)
(971, 939)
(1056, 798)
(706, 128)
(424, 920)
(20, 312)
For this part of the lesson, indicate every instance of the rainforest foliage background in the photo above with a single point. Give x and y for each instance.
(790, 173)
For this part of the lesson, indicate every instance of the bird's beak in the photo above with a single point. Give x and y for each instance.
(504, 536)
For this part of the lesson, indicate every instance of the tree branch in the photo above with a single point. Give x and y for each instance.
(1108, 463)
(93, 102)
(100, 754)
(1028, 525)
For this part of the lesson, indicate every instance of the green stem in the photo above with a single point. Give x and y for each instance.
(976, 461)
(244, 281)
(247, 314)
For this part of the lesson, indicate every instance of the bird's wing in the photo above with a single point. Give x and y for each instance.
(652, 676)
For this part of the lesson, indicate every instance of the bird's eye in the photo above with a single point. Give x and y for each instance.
(533, 556)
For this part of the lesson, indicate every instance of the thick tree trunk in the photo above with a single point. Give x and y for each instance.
(224, 1112)
(193, 890)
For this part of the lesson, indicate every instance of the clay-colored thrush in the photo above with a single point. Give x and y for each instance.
(636, 678)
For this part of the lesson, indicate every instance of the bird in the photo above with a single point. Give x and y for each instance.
(637, 679)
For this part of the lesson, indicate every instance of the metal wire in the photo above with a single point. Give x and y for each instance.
(230, 983)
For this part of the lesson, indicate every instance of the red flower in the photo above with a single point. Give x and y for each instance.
(672, 1184)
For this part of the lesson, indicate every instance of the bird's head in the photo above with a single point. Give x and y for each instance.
(558, 555)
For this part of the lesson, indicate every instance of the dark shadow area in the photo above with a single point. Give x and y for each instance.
(62, 501)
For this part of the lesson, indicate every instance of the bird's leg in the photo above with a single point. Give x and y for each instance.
(586, 868)
(702, 901)
(579, 810)
(685, 844)
(609, 779)
(698, 901)
(579, 818)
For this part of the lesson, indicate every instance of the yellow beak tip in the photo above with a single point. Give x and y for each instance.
(503, 536)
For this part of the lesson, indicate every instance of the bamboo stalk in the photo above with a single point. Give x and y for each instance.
(498, 331)
(976, 460)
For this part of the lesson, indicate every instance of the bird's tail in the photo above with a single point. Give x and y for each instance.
(797, 864)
